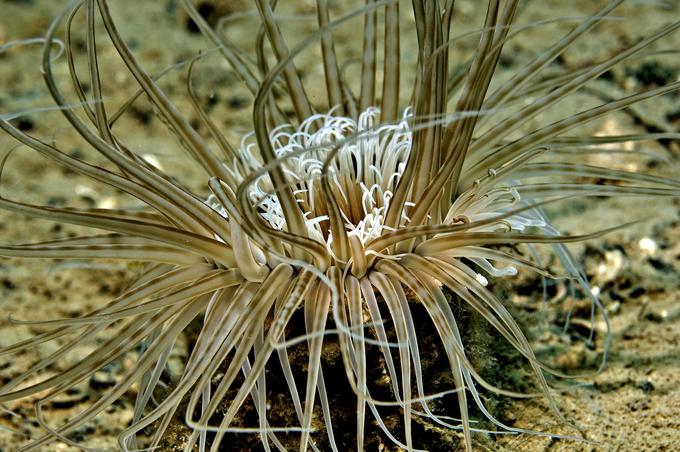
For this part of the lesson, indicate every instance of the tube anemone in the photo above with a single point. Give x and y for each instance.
(338, 217)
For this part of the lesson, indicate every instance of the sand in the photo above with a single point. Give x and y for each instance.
(634, 404)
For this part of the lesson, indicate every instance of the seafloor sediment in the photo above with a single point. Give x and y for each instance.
(634, 404)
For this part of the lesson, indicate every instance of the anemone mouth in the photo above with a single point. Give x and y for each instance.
(368, 163)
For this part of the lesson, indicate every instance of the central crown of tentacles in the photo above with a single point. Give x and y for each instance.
(362, 163)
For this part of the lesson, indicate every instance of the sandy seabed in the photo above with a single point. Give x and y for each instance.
(634, 404)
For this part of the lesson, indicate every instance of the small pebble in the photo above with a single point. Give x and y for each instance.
(69, 398)
(658, 317)
(102, 379)
(646, 385)
(647, 246)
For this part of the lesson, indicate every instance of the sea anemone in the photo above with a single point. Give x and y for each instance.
(344, 214)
